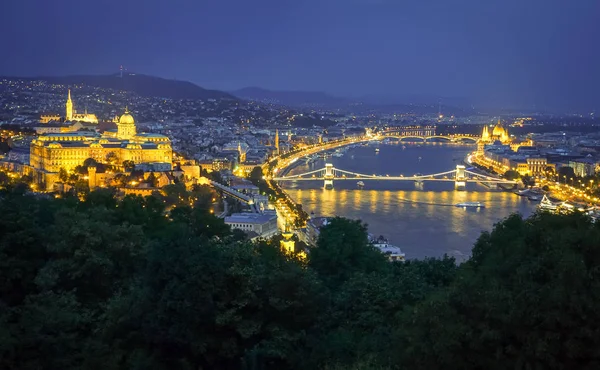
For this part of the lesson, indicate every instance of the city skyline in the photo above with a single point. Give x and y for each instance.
(540, 54)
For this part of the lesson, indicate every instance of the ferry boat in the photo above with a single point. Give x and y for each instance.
(470, 205)
(360, 184)
(392, 252)
(547, 205)
(376, 150)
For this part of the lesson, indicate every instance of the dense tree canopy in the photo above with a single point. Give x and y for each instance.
(135, 283)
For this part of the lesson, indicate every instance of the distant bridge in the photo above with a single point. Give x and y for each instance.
(451, 138)
(460, 176)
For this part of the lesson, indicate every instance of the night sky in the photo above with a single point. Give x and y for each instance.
(520, 53)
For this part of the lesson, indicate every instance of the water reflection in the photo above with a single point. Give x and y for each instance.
(422, 222)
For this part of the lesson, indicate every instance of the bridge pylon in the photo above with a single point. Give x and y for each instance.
(460, 178)
(328, 176)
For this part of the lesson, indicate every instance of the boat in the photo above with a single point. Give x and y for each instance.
(360, 184)
(534, 198)
(547, 205)
(392, 252)
(376, 150)
(470, 205)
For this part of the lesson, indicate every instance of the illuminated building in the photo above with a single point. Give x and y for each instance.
(288, 245)
(536, 165)
(499, 133)
(70, 114)
(255, 224)
(276, 142)
(49, 153)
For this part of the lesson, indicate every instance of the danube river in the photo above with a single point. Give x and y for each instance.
(422, 221)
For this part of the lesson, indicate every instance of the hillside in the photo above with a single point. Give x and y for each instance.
(143, 85)
(365, 104)
(290, 98)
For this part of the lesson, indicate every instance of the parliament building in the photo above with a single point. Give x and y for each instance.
(51, 152)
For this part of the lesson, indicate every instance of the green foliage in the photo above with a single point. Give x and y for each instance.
(526, 299)
(528, 181)
(90, 162)
(159, 283)
(128, 165)
(343, 249)
(566, 173)
(511, 175)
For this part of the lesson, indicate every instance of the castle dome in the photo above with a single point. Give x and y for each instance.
(126, 119)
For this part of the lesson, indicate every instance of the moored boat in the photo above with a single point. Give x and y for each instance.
(547, 205)
(470, 205)
(392, 252)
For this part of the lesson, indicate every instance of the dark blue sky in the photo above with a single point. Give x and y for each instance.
(497, 52)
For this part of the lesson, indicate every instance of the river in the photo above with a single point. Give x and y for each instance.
(422, 221)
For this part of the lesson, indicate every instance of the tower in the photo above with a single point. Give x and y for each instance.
(242, 154)
(92, 177)
(288, 245)
(277, 141)
(69, 113)
(485, 135)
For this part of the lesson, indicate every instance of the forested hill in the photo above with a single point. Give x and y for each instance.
(109, 284)
(143, 85)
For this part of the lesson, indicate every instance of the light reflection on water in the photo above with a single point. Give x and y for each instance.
(422, 222)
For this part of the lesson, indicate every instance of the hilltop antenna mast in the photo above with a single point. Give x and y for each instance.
(121, 71)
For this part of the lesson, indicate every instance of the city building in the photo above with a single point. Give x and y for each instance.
(583, 167)
(499, 133)
(70, 114)
(49, 153)
(536, 165)
(263, 225)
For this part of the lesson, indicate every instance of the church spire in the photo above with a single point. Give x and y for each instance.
(69, 108)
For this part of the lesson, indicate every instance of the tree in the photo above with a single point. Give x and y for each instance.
(511, 175)
(151, 180)
(81, 170)
(90, 162)
(111, 158)
(565, 173)
(231, 320)
(256, 175)
(528, 181)
(63, 176)
(129, 165)
(527, 298)
(343, 249)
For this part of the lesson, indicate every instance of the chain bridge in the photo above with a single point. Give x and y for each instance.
(460, 176)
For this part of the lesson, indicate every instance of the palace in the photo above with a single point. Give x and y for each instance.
(55, 151)
(499, 133)
(70, 114)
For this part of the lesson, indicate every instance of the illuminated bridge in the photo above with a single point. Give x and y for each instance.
(448, 138)
(460, 176)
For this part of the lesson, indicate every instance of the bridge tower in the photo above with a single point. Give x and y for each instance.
(328, 176)
(459, 180)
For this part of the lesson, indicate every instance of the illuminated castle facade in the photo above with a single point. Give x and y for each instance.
(53, 151)
(70, 114)
(499, 133)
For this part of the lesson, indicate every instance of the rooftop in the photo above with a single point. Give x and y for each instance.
(250, 218)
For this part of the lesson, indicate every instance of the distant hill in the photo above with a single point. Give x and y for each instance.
(382, 103)
(143, 85)
(291, 98)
